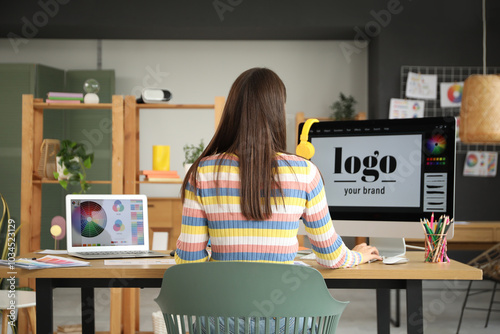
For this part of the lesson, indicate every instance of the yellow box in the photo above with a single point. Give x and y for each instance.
(161, 157)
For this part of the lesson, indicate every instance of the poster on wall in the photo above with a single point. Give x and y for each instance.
(479, 163)
(451, 94)
(421, 86)
(401, 108)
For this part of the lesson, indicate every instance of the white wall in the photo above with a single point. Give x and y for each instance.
(314, 72)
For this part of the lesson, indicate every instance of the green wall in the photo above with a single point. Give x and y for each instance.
(94, 126)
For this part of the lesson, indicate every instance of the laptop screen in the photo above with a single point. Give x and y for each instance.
(101, 221)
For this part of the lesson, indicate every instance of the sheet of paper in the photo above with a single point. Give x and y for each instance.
(301, 263)
(53, 251)
(451, 94)
(461, 223)
(311, 256)
(421, 86)
(479, 163)
(138, 262)
(160, 241)
(401, 108)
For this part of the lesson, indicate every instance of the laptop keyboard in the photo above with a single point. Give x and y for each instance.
(115, 253)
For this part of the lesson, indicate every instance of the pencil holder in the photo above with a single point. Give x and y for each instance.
(436, 248)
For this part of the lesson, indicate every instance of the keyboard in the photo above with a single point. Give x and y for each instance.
(117, 254)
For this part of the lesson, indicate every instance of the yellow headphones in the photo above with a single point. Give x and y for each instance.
(305, 149)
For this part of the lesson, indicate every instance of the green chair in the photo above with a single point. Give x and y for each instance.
(262, 296)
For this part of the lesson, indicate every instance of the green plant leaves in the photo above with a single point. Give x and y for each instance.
(88, 162)
(64, 184)
(343, 109)
(192, 152)
(74, 160)
(8, 234)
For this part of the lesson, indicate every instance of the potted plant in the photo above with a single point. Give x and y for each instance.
(343, 109)
(72, 162)
(9, 243)
(191, 153)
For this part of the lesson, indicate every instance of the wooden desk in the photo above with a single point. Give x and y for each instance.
(375, 275)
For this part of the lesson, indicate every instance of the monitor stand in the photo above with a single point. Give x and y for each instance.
(389, 247)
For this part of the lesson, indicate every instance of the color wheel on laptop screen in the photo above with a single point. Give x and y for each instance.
(91, 218)
(436, 144)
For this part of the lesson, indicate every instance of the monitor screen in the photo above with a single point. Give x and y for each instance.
(382, 176)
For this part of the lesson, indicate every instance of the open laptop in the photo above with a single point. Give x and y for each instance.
(108, 226)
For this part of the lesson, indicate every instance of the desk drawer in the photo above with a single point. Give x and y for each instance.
(168, 211)
(165, 214)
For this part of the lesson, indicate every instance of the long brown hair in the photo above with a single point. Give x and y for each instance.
(253, 127)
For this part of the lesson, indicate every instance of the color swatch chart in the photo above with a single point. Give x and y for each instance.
(137, 222)
(136, 206)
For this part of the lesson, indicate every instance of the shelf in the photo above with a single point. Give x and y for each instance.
(131, 121)
(32, 138)
(174, 106)
(47, 181)
(45, 105)
(160, 182)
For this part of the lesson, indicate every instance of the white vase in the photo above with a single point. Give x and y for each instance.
(186, 168)
(60, 169)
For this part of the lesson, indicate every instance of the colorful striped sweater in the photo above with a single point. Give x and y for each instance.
(208, 214)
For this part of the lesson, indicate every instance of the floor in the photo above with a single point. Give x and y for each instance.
(442, 306)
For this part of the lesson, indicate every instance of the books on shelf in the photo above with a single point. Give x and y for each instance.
(48, 261)
(68, 96)
(76, 328)
(63, 101)
(161, 175)
(60, 97)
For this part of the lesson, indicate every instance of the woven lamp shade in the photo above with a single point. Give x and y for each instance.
(480, 111)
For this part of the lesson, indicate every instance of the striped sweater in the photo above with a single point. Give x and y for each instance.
(217, 215)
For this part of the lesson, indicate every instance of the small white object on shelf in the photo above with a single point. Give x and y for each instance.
(91, 87)
(91, 98)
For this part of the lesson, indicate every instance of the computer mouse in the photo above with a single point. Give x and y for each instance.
(172, 253)
(394, 260)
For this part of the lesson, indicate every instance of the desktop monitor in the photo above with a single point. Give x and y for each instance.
(382, 176)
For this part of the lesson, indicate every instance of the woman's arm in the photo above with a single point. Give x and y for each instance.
(192, 242)
(328, 246)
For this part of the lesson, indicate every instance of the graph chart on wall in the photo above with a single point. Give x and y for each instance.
(450, 75)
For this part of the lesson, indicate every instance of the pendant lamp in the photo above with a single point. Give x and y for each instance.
(480, 110)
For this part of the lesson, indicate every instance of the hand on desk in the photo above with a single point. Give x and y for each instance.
(369, 253)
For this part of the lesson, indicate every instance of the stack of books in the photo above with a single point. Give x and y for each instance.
(58, 97)
(161, 175)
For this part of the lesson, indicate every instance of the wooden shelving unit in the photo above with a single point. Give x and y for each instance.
(132, 172)
(165, 213)
(132, 108)
(125, 179)
(31, 183)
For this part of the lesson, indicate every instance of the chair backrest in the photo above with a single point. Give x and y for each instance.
(258, 292)
(489, 262)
